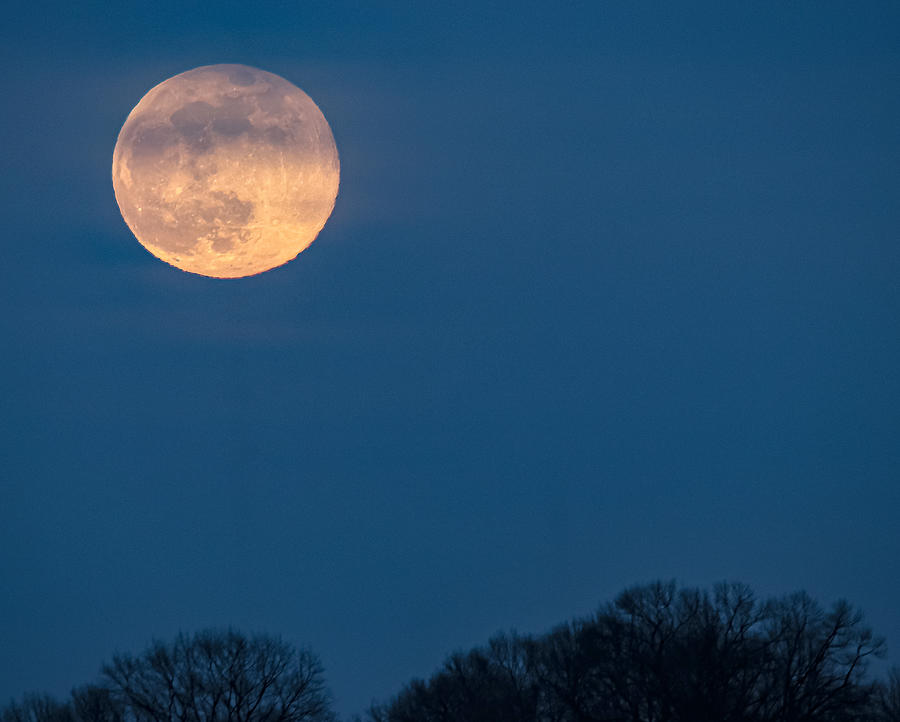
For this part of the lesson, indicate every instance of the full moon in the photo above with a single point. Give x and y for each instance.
(226, 171)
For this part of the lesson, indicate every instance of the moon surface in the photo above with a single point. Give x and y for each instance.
(226, 171)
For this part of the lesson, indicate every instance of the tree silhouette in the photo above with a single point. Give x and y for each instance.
(93, 703)
(484, 685)
(212, 676)
(660, 654)
(37, 708)
(219, 677)
(657, 653)
(888, 704)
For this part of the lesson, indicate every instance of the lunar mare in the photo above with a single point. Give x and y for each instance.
(226, 171)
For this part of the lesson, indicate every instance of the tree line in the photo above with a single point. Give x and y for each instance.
(657, 653)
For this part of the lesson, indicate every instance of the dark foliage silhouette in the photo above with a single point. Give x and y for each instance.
(889, 697)
(93, 703)
(219, 676)
(659, 654)
(37, 708)
(656, 654)
(208, 677)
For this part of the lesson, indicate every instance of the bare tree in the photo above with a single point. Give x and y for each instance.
(663, 654)
(219, 677)
(817, 661)
(489, 684)
(37, 708)
(888, 701)
(656, 654)
(93, 703)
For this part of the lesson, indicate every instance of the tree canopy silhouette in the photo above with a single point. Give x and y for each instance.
(657, 653)
(217, 676)
(660, 654)
(212, 676)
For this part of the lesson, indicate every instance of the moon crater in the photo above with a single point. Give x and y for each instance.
(226, 171)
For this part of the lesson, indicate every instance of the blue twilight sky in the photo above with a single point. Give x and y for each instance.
(610, 293)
